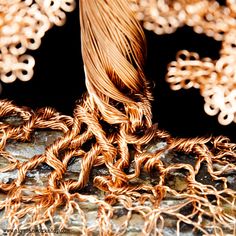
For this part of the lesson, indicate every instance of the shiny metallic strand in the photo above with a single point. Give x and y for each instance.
(215, 79)
(22, 25)
(127, 112)
(59, 192)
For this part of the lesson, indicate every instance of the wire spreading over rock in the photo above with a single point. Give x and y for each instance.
(111, 121)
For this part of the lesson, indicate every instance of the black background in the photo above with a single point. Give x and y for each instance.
(59, 80)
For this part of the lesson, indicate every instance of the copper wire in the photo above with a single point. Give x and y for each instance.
(214, 78)
(22, 25)
(118, 94)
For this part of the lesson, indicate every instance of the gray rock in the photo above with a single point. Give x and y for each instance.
(175, 180)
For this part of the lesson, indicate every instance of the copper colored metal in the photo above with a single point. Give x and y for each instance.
(216, 79)
(22, 25)
(113, 48)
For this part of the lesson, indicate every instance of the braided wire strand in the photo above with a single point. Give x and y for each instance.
(128, 115)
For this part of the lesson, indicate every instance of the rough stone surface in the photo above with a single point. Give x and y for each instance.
(176, 180)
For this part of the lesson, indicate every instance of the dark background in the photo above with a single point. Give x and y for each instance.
(59, 80)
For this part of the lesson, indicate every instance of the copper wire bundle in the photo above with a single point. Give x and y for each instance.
(215, 78)
(113, 118)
